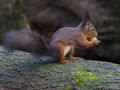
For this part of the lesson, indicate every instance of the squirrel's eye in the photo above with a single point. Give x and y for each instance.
(91, 29)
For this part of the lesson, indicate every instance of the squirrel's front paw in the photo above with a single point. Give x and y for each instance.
(95, 41)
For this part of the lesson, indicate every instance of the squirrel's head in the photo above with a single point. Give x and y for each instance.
(87, 27)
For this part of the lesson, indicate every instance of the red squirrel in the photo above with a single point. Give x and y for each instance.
(62, 42)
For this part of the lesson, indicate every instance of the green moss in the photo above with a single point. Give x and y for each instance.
(69, 88)
(64, 87)
(110, 73)
(83, 77)
(81, 68)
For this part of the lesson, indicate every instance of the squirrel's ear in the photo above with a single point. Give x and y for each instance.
(86, 16)
(82, 24)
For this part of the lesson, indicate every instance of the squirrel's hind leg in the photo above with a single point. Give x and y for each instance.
(61, 53)
(71, 53)
(56, 51)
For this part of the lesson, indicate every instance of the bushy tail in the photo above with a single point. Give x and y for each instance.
(25, 40)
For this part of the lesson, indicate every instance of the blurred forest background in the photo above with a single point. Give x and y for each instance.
(46, 16)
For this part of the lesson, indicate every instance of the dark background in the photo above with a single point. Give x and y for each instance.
(46, 16)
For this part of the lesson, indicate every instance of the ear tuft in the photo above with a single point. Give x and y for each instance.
(86, 15)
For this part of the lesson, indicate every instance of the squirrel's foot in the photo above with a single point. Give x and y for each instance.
(75, 58)
(65, 62)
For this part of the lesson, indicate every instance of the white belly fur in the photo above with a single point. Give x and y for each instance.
(66, 50)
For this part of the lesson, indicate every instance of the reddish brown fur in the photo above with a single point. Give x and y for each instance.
(73, 37)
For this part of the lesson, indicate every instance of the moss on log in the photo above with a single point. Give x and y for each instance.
(23, 71)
